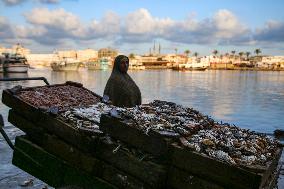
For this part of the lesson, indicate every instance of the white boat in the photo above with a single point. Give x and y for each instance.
(66, 64)
(14, 63)
(136, 65)
(101, 64)
(191, 66)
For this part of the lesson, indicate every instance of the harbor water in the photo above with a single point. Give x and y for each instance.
(248, 99)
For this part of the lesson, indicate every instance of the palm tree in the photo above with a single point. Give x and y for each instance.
(187, 52)
(257, 51)
(233, 52)
(247, 54)
(176, 50)
(241, 54)
(195, 54)
(131, 56)
(215, 52)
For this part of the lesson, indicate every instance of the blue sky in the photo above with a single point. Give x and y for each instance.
(132, 26)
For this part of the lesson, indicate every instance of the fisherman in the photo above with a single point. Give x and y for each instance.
(120, 88)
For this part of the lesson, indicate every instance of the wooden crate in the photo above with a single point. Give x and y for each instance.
(51, 123)
(178, 179)
(153, 142)
(150, 173)
(224, 174)
(45, 166)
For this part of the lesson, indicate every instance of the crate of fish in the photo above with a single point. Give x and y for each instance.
(131, 162)
(196, 144)
(48, 107)
(229, 156)
(153, 127)
(53, 98)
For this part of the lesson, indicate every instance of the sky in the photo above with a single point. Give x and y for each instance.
(133, 26)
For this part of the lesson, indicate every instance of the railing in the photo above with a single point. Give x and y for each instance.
(25, 79)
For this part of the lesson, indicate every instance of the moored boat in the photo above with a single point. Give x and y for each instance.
(14, 63)
(67, 64)
(101, 64)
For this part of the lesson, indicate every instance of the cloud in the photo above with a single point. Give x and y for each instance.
(142, 26)
(273, 31)
(55, 27)
(49, 1)
(52, 26)
(12, 2)
(6, 30)
(17, 2)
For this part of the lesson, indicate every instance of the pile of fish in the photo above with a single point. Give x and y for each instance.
(233, 145)
(202, 134)
(61, 96)
(166, 116)
(86, 117)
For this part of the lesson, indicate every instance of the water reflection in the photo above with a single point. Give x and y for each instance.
(248, 99)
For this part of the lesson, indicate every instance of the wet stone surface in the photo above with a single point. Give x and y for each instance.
(10, 175)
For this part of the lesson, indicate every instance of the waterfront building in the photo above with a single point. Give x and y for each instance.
(87, 54)
(39, 60)
(107, 53)
(67, 54)
(273, 62)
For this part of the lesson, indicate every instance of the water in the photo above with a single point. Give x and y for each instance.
(249, 99)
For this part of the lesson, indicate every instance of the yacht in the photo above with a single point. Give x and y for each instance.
(14, 63)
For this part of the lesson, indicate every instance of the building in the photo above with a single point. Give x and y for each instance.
(272, 62)
(107, 53)
(87, 54)
(40, 60)
(67, 54)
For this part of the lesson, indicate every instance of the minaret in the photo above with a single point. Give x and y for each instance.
(154, 49)
(159, 48)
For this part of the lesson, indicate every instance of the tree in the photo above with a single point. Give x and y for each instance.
(195, 54)
(257, 51)
(215, 52)
(131, 56)
(247, 54)
(176, 50)
(241, 54)
(187, 52)
(233, 52)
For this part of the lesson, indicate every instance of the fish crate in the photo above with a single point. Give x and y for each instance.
(154, 126)
(134, 169)
(48, 117)
(154, 142)
(51, 169)
(185, 160)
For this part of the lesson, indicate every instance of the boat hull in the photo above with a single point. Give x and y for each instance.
(15, 68)
(65, 67)
(189, 69)
(97, 66)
